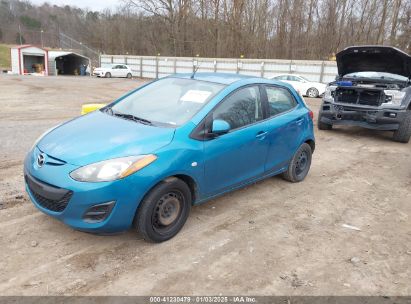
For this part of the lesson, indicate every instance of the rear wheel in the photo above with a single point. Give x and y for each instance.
(108, 75)
(164, 210)
(403, 133)
(312, 92)
(129, 75)
(300, 164)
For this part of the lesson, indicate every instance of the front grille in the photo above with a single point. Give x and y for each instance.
(50, 201)
(359, 96)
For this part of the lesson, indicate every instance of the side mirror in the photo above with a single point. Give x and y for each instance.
(220, 127)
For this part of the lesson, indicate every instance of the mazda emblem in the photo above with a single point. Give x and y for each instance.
(41, 160)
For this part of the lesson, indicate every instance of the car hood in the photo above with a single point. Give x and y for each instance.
(373, 58)
(99, 136)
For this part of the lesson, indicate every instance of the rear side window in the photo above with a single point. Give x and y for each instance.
(241, 108)
(279, 100)
(293, 78)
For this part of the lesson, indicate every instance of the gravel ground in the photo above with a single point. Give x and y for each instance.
(271, 238)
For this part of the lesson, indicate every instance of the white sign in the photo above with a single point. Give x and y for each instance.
(196, 96)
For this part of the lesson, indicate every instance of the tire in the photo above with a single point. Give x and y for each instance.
(129, 76)
(164, 210)
(322, 125)
(312, 93)
(108, 75)
(299, 165)
(403, 133)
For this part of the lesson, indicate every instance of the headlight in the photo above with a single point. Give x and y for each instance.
(44, 134)
(327, 94)
(394, 97)
(112, 169)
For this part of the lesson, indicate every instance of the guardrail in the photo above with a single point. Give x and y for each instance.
(160, 66)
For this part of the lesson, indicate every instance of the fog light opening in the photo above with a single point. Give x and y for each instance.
(98, 213)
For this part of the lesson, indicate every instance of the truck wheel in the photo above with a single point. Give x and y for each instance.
(321, 125)
(403, 133)
(164, 210)
(299, 165)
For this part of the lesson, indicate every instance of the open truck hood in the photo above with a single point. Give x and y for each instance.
(373, 58)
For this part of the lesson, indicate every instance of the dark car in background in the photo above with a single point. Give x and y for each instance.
(372, 90)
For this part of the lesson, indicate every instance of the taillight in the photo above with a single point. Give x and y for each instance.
(311, 114)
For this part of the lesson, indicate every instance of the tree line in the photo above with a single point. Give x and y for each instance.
(289, 29)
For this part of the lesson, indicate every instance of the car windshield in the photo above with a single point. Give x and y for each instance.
(168, 101)
(377, 75)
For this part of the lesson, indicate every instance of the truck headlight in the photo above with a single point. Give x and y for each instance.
(394, 97)
(112, 169)
(328, 94)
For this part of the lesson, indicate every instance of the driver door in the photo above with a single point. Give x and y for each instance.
(236, 157)
(116, 71)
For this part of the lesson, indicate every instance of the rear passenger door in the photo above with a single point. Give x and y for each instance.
(287, 120)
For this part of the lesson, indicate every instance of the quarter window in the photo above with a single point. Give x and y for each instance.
(279, 100)
(240, 109)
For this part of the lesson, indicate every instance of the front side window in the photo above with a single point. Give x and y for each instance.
(169, 101)
(279, 100)
(241, 108)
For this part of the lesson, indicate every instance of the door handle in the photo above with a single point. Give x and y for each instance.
(299, 121)
(261, 135)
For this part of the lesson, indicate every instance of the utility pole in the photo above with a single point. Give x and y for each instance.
(20, 35)
(41, 37)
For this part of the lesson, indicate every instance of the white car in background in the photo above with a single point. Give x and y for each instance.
(302, 85)
(115, 70)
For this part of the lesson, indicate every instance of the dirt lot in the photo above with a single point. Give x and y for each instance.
(272, 238)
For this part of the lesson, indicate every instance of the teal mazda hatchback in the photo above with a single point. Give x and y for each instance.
(145, 159)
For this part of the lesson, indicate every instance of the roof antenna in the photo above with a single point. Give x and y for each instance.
(197, 66)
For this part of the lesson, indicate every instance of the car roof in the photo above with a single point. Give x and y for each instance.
(223, 78)
(298, 75)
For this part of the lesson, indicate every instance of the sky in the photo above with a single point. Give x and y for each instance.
(96, 5)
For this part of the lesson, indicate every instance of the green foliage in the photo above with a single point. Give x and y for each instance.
(5, 60)
(30, 22)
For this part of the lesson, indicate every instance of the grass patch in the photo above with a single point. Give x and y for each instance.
(5, 60)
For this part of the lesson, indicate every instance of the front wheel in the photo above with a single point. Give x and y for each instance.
(403, 134)
(129, 76)
(164, 210)
(299, 165)
(322, 125)
(313, 93)
(108, 75)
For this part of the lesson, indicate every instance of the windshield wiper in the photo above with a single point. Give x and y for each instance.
(108, 110)
(132, 117)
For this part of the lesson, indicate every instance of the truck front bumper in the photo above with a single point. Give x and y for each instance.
(377, 119)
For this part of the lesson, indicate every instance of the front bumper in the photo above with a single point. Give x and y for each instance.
(370, 118)
(99, 74)
(55, 193)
